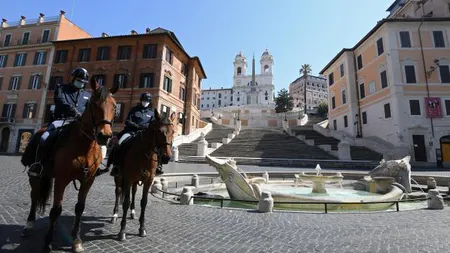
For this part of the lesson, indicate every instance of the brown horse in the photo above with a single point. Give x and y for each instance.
(77, 158)
(139, 164)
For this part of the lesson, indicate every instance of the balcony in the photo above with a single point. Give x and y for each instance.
(19, 43)
(7, 120)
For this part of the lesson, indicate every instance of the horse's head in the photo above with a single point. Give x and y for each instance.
(100, 111)
(164, 129)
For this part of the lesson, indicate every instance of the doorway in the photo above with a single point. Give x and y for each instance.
(445, 148)
(4, 139)
(420, 152)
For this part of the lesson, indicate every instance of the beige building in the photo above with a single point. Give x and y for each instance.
(393, 85)
(316, 91)
(26, 56)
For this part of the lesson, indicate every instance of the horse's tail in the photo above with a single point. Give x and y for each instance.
(45, 187)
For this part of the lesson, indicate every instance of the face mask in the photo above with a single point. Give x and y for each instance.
(78, 84)
(145, 104)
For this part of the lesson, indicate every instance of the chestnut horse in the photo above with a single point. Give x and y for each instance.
(77, 158)
(139, 164)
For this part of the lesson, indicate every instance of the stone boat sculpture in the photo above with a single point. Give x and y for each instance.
(241, 187)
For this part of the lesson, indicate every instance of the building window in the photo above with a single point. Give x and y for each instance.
(330, 79)
(7, 41)
(61, 56)
(384, 80)
(9, 111)
(364, 118)
(29, 111)
(344, 99)
(3, 60)
(39, 58)
(25, 38)
(146, 80)
(387, 111)
(380, 47)
(360, 62)
(169, 56)
(100, 79)
(447, 107)
(103, 53)
(54, 81)
(20, 60)
(333, 102)
(345, 121)
(149, 51)
(341, 68)
(405, 40)
(181, 117)
(239, 71)
(167, 85)
(362, 92)
(120, 80)
(372, 87)
(165, 111)
(182, 94)
(45, 36)
(410, 73)
(414, 107)
(14, 83)
(118, 113)
(438, 37)
(444, 72)
(183, 69)
(124, 53)
(334, 124)
(35, 82)
(1, 82)
(84, 54)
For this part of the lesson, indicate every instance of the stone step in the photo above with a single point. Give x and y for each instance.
(363, 153)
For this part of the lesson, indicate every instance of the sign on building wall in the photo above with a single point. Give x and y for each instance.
(433, 107)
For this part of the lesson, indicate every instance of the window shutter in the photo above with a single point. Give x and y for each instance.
(35, 60)
(35, 105)
(125, 81)
(152, 80)
(116, 80)
(142, 81)
(15, 60)
(13, 111)
(170, 85)
(39, 82)
(5, 110)
(24, 111)
(24, 59)
(1, 82)
(19, 82)
(5, 62)
(30, 83)
(11, 82)
(44, 57)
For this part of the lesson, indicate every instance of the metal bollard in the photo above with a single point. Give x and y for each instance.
(265, 202)
(187, 196)
(195, 181)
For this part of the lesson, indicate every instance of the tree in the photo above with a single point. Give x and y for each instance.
(322, 109)
(304, 71)
(284, 101)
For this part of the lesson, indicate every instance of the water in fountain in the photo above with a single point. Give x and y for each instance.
(417, 185)
(318, 169)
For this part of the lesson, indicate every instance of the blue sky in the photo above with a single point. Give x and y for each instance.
(295, 31)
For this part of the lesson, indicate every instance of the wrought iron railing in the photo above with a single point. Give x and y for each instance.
(22, 43)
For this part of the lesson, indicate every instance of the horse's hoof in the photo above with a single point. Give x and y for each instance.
(133, 215)
(142, 233)
(77, 247)
(122, 237)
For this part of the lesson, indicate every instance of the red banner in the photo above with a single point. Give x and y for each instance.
(433, 107)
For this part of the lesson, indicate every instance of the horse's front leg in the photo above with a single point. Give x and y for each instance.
(118, 191)
(125, 205)
(133, 199)
(77, 245)
(55, 212)
(146, 187)
(34, 194)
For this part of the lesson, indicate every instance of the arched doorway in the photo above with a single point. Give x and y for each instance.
(445, 148)
(4, 139)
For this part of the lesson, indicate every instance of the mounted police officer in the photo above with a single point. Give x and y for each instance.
(139, 117)
(70, 102)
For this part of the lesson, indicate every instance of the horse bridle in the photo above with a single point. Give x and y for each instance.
(95, 124)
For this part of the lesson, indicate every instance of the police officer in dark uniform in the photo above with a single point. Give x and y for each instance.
(139, 117)
(70, 102)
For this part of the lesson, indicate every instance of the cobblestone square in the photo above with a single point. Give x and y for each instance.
(174, 228)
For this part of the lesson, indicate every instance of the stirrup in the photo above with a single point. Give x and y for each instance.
(35, 166)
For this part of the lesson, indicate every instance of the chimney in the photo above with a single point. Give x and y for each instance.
(105, 35)
(61, 12)
(133, 32)
(22, 20)
(41, 18)
(4, 24)
(147, 30)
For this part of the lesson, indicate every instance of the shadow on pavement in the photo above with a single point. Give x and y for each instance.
(91, 230)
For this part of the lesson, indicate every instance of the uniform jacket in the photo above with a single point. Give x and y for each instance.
(138, 118)
(69, 100)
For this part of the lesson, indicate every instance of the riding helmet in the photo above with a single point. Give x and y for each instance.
(146, 96)
(82, 74)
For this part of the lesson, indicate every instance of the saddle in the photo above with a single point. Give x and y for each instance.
(118, 151)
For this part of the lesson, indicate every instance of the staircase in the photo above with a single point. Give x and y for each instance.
(266, 143)
(215, 135)
(356, 152)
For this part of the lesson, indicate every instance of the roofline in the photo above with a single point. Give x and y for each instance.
(318, 77)
(169, 34)
(393, 5)
(374, 29)
(217, 89)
